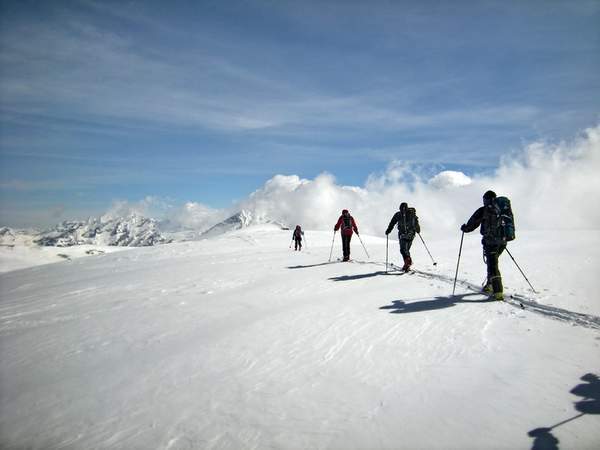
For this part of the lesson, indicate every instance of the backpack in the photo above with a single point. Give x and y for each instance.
(500, 220)
(411, 214)
(346, 227)
(410, 225)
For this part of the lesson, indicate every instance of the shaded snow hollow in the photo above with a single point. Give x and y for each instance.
(240, 342)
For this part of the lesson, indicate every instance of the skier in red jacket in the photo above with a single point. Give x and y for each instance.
(347, 224)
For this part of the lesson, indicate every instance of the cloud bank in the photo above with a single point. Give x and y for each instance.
(551, 186)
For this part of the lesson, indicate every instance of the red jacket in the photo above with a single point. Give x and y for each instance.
(346, 225)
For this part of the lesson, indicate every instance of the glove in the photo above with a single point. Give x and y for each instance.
(387, 232)
(463, 228)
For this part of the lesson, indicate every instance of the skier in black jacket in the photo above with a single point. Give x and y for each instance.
(493, 243)
(408, 225)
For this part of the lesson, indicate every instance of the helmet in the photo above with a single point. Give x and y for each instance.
(403, 206)
(344, 211)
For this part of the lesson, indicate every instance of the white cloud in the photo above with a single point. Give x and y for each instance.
(80, 70)
(551, 186)
(174, 216)
(448, 179)
(196, 216)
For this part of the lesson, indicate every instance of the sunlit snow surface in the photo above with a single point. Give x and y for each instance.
(240, 342)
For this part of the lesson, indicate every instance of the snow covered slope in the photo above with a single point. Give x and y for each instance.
(240, 342)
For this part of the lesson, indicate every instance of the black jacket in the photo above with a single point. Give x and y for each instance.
(482, 218)
(408, 223)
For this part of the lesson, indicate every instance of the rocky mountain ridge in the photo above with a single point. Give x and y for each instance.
(131, 231)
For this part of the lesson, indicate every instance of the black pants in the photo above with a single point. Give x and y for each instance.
(298, 245)
(405, 244)
(491, 253)
(346, 246)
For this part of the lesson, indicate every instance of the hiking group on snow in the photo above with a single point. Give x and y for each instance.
(494, 219)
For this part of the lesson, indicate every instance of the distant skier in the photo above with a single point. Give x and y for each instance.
(297, 237)
(347, 224)
(497, 227)
(408, 225)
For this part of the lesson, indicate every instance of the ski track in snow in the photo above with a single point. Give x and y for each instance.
(574, 318)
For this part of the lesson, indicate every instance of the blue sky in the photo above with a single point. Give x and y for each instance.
(206, 100)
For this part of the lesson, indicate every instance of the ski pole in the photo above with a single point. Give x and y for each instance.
(386, 252)
(365, 248)
(434, 263)
(305, 242)
(331, 251)
(458, 262)
(292, 242)
(511, 257)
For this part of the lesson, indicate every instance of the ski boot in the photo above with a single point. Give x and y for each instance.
(407, 263)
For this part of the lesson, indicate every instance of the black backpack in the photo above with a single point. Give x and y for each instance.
(500, 220)
(409, 224)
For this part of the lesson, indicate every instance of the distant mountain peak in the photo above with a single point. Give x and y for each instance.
(239, 220)
(133, 231)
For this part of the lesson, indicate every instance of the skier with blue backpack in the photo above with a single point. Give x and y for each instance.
(497, 224)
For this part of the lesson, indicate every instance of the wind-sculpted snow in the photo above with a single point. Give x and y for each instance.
(241, 342)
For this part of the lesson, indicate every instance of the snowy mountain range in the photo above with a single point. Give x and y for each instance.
(131, 231)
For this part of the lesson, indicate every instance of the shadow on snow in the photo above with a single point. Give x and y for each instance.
(326, 263)
(590, 391)
(516, 300)
(402, 307)
(364, 275)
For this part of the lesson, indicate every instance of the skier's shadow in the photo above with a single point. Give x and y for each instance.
(402, 307)
(361, 276)
(590, 391)
(312, 265)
